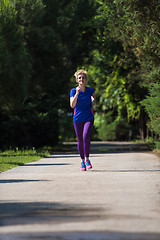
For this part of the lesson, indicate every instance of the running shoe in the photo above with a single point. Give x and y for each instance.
(83, 166)
(88, 164)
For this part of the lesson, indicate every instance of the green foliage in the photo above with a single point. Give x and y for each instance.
(135, 25)
(15, 63)
(41, 43)
(26, 116)
(117, 64)
(152, 106)
(66, 128)
(105, 126)
(111, 128)
(114, 93)
(126, 60)
(36, 124)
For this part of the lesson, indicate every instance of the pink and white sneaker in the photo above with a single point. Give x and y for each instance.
(88, 164)
(83, 166)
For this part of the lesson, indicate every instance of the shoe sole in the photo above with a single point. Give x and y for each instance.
(89, 167)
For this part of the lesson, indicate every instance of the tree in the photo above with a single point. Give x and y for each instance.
(152, 106)
(127, 56)
(15, 65)
(42, 43)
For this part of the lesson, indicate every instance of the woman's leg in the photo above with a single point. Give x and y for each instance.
(79, 133)
(86, 137)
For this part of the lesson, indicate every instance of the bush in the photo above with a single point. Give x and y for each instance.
(34, 125)
(152, 106)
(111, 128)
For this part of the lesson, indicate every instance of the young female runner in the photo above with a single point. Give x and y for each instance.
(82, 99)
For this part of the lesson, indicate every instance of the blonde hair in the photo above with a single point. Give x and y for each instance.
(81, 71)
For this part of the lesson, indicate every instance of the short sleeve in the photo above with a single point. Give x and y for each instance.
(72, 92)
(92, 91)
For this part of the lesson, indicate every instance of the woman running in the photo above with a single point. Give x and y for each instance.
(82, 99)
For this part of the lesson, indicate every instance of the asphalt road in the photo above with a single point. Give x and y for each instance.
(119, 199)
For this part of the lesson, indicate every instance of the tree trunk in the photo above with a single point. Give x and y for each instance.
(142, 125)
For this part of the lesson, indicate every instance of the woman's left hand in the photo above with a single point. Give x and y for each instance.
(93, 101)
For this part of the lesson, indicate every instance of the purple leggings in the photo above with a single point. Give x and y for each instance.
(83, 131)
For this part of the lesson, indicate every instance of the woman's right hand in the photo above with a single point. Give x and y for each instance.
(77, 90)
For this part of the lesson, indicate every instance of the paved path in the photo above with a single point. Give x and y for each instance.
(119, 199)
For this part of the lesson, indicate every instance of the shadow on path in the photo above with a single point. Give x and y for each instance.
(19, 180)
(82, 236)
(15, 213)
(46, 164)
(126, 171)
(21, 213)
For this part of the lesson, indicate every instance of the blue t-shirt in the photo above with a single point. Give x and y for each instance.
(83, 111)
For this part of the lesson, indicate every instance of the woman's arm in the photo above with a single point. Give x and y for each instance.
(73, 100)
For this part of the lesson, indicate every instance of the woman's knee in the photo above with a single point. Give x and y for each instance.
(86, 138)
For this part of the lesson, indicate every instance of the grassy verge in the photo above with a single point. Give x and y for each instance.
(157, 152)
(18, 157)
(15, 157)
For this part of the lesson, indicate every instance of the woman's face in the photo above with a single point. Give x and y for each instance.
(81, 79)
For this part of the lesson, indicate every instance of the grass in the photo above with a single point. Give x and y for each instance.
(18, 157)
(157, 152)
(14, 157)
